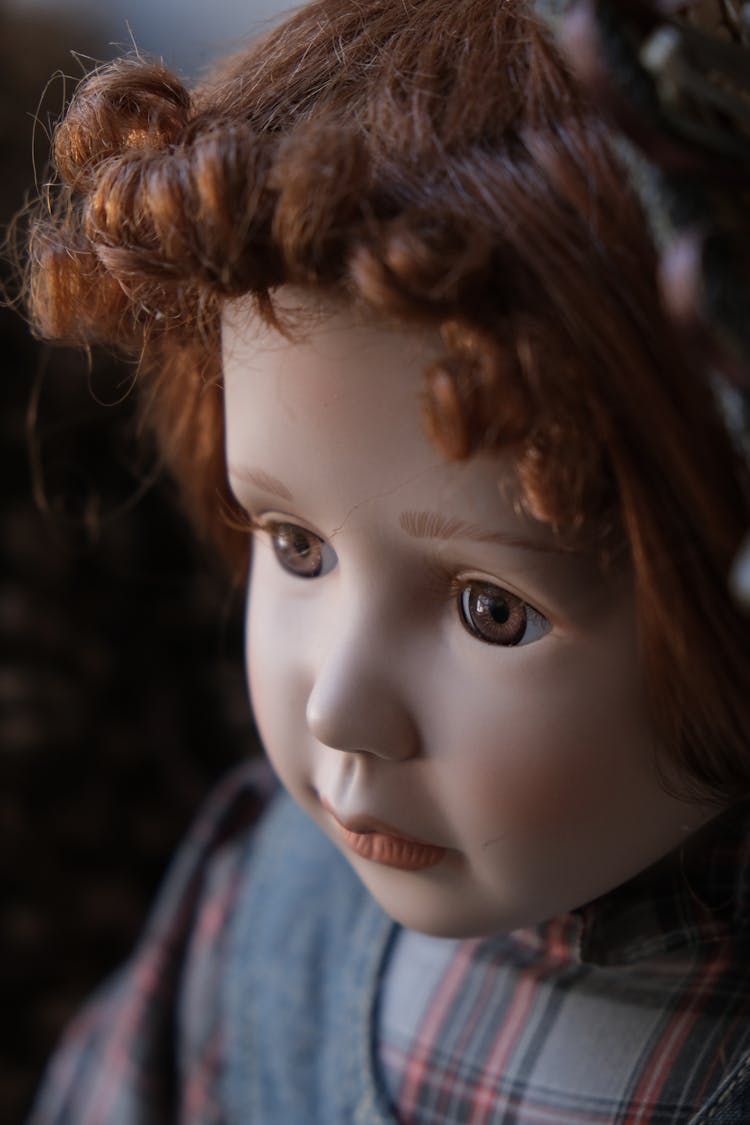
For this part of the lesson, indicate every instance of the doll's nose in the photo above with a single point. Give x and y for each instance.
(357, 705)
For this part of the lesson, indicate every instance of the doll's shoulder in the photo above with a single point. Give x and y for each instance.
(123, 1059)
(262, 945)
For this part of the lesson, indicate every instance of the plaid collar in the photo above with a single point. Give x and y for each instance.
(691, 902)
(694, 898)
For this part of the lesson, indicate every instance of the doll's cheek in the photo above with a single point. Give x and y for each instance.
(554, 777)
(528, 799)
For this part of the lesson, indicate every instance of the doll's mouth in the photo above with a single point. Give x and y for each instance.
(370, 839)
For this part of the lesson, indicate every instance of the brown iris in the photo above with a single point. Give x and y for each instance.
(493, 614)
(299, 551)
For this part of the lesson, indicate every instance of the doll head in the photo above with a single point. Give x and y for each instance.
(418, 194)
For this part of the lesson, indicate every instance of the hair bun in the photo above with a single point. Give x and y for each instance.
(173, 214)
(128, 105)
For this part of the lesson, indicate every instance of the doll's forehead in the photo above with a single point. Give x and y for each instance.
(331, 420)
(328, 430)
(325, 360)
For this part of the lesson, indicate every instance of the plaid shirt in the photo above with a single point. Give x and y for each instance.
(630, 1010)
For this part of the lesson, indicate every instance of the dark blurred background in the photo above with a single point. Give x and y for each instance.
(186, 33)
(122, 695)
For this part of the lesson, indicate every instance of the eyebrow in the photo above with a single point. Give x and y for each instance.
(433, 525)
(262, 480)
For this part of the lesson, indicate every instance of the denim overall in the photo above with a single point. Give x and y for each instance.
(307, 951)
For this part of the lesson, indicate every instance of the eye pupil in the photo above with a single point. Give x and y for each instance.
(301, 546)
(496, 608)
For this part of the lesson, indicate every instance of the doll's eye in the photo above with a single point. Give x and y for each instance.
(498, 617)
(301, 552)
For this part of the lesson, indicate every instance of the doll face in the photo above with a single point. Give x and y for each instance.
(454, 700)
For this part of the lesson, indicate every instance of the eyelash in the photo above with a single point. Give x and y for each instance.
(446, 585)
(473, 597)
(238, 518)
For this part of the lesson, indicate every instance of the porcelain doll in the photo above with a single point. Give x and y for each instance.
(398, 328)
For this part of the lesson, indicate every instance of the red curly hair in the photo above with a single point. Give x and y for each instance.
(436, 162)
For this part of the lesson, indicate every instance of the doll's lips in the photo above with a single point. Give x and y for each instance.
(373, 840)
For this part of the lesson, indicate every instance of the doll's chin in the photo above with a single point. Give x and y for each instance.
(430, 903)
(449, 923)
